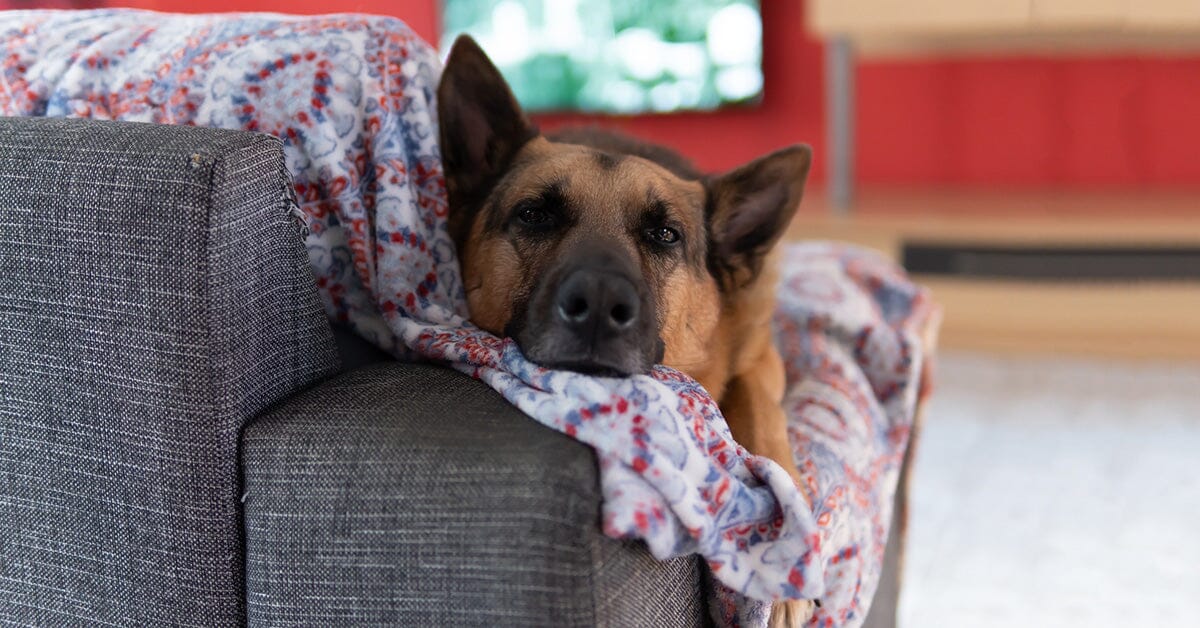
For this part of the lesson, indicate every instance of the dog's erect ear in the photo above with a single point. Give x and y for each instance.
(749, 208)
(482, 127)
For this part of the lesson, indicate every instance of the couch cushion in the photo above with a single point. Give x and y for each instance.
(154, 295)
(413, 495)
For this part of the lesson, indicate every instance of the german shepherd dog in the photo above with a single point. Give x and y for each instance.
(601, 254)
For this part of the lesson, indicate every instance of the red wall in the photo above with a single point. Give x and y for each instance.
(421, 15)
(1096, 122)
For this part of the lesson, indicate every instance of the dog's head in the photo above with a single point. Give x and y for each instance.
(597, 254)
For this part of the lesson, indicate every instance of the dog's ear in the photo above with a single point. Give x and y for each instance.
(749, 208)
(482, 127)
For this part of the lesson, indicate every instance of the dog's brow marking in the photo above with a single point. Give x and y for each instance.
(553, 197)
(555, 192)
(606, 161)
(657, 212)
(656, 207)
(549, 194)
(494, 216)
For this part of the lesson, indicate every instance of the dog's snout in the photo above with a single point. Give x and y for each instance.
(594, 302)
(593, 313)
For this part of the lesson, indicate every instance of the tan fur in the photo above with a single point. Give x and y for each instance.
(744, 373)
(692, 315)
(491, 274)
(791, 614)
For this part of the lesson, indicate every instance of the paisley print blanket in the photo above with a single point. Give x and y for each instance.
(352, 98)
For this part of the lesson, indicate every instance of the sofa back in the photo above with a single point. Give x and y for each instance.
(154, 296)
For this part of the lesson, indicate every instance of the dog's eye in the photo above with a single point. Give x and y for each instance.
(533, 216)
(663, 235)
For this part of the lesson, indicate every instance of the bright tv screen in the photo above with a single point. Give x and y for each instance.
(617, 56)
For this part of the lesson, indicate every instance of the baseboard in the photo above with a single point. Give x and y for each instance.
(1048, 262)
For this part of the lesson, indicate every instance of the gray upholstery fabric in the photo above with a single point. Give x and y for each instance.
(412, 495)
(153, 297)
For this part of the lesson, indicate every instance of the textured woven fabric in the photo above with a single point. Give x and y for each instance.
(154, 295)
(371, 500)
(352, 97)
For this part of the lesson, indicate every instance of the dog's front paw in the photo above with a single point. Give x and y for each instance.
(791, 614)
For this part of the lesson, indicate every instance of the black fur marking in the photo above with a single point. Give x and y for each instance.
(747, 211)
(552, 199)
(470, 201)
(520, 312)
(606, 161)
(656, 213)
(737, 263)
(495, 217)
(720, 268)
(481, 130)
(764, 231)
(619, 144)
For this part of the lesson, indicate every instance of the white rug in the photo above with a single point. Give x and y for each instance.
(1056, 493)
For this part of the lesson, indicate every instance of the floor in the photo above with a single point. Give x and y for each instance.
(1058, 493)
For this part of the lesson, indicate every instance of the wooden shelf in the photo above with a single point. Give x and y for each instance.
(895, 27)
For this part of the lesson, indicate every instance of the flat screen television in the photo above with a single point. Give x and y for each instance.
(617, 56)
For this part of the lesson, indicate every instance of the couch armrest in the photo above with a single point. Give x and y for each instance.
(404, 494)
(154, 296)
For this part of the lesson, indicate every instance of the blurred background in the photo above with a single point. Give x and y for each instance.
(1035, 162)
(618, 57)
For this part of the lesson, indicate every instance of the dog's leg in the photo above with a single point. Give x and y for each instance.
(752, 405)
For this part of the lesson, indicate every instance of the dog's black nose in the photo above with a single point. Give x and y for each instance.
(597, 303)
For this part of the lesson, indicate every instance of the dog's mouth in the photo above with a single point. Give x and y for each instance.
(595, 369)
(553, 349)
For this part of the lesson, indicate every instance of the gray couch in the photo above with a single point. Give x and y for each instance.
(185, 440)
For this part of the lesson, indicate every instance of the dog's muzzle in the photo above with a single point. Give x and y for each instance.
(594, 315)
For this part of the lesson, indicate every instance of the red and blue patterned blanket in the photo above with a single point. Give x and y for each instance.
(352, 98)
